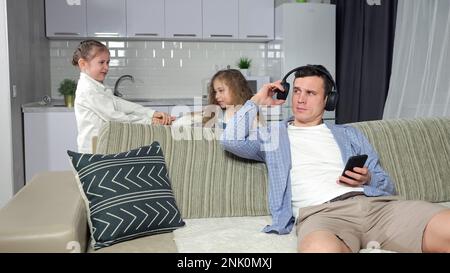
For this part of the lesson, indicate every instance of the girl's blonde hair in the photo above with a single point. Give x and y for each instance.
(87, 50)
(233, 78)
(236, 82)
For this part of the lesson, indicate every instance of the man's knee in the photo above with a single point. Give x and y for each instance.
(322, 242)
(436, 237)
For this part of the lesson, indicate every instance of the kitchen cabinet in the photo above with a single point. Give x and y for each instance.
(145, 19)
(65, 19)
(183, 19)
(106, 18)
(220, 19)
(256, 20)
(244, 20)
(48, 136)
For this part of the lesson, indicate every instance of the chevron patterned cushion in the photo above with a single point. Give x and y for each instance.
(206, 180)
(128, 195)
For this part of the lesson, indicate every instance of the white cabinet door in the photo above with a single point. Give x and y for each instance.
(65, 18)
(48, 136)
(183, 19)
(256, 19)
(220, 19)
(106, 18)
(145, 19)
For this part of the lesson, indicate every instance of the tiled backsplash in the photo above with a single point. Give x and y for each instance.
(164, 69)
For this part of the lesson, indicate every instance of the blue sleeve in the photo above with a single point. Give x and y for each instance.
(239, 138)
(380, 183)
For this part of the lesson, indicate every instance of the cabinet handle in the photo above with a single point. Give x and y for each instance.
(221, 35)
(257, 36)
(146, 34)
(106, 34)
(66, 33)
(185, 35)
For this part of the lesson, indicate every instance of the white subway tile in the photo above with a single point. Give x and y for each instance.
(166, 69)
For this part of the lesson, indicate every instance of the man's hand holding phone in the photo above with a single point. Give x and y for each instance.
(355, 174)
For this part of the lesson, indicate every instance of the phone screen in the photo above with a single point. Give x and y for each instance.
(354, 161)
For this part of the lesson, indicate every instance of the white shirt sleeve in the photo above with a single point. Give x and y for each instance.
(110, 108)
(95, 105)
(132, 109)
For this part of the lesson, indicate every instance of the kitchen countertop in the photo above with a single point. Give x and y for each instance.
(58, 105)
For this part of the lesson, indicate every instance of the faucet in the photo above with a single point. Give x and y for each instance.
(116, 85)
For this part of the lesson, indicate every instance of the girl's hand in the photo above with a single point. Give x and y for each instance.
(162, 118)
(359, 177)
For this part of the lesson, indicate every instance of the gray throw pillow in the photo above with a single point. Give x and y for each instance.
(128, 195)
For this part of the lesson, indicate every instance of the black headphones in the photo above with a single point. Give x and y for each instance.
(332, 95)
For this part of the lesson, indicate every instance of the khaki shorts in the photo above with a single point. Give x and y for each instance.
(385, 222)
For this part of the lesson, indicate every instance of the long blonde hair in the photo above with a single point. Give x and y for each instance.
(236, 82)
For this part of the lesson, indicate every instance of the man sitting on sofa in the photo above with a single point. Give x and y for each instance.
(305, 159)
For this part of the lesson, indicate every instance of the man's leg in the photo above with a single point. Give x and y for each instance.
(436, 237)
(400, 225)
(322, 242)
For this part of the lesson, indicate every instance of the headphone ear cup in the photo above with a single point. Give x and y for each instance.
(283, 95)
(332, 101)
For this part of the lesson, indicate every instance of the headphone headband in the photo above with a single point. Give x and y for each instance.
(315, 67)
(332, 96)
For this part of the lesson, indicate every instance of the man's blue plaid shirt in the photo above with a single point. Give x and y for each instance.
(271, 145)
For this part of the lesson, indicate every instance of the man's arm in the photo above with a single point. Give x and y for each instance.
(239, 137)
(379, 178)
(372, 176)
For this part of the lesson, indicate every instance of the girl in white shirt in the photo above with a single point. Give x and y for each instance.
(95, 104)
(227, 91)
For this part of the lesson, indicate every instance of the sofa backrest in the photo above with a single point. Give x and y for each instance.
(415, 153)
(206, 180)
(209, 182)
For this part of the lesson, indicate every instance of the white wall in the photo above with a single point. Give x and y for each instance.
(6, 170)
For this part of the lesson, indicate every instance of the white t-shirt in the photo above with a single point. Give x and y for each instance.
(95, 104)
(316, 166)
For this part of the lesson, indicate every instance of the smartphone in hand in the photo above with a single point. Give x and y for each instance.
(354, 161)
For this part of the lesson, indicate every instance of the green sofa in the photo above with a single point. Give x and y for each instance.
(209, 184)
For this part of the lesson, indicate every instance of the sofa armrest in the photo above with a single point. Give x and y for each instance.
(47, 215)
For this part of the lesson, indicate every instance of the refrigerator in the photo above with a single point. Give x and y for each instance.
(305, 33)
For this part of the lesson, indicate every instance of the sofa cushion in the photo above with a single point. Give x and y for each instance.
(128, 194)
(206, 180)
(416, 154)
(47, 215)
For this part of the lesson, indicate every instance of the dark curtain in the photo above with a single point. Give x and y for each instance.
(364, 47)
